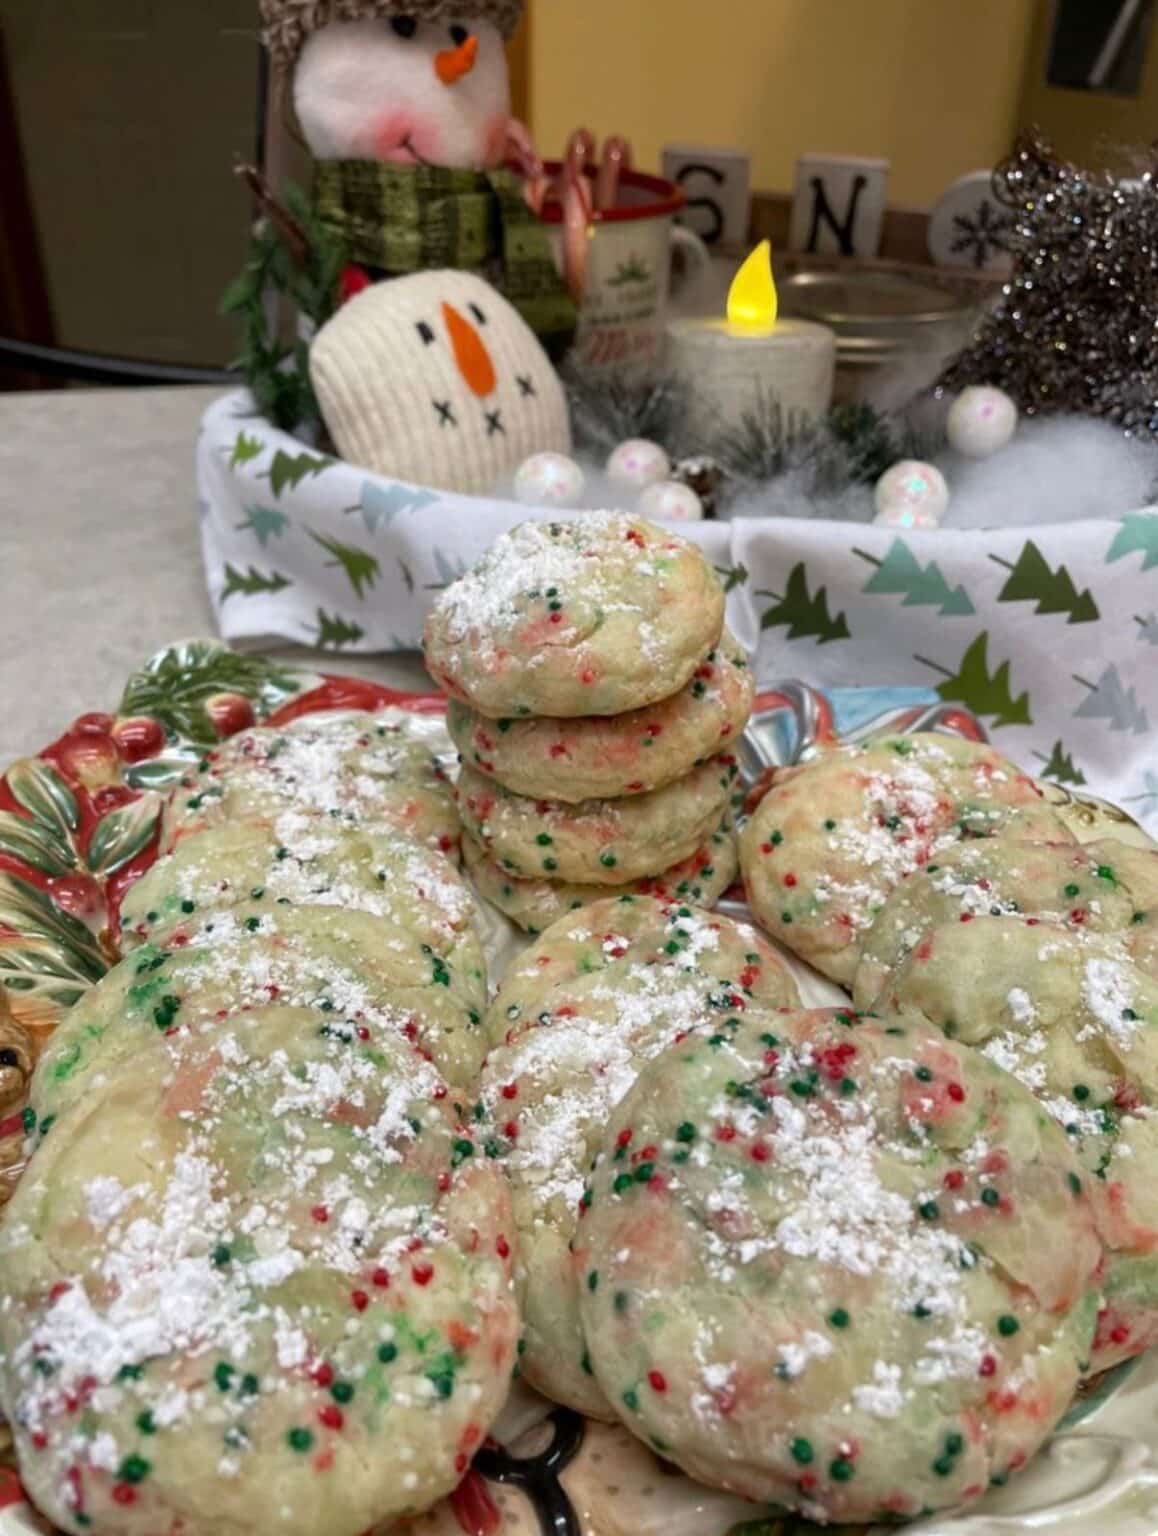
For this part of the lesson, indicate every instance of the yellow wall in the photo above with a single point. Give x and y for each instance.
(933, 85)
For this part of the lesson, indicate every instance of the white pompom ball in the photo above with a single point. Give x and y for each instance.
(637, 463)
(981, 421)
(549, 480)
(911, 494)
(673, 501)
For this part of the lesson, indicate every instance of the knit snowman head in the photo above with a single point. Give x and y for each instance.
(412, 82)
(435, 379)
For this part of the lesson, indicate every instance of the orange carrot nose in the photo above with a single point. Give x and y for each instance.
(470, 352)
(452, 63)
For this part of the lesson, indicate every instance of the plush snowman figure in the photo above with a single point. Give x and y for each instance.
(436, 380)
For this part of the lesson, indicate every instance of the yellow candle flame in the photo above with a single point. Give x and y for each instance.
(752, 300)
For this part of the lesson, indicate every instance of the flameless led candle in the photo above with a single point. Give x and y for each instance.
(734, 367)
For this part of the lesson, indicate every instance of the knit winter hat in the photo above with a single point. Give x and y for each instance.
(436, 380)
(287, 23)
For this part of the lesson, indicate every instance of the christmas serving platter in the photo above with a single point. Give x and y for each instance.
(80, 822)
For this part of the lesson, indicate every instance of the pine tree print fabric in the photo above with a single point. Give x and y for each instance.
(1050, 634)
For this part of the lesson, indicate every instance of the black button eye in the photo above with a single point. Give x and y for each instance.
(426, 333)
(8, 1057)
(459, 35)
(405, 26)
(477, 313)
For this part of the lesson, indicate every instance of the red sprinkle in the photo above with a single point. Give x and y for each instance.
(657, 1381)
(380, 1278)
(789, 880)
(324, 1375)
(320, 1214)
(502, 1248)
(988, 1366)
(510, 1091)
(759, 1153)
(359, 1300)
(440, 1092)
(331, 1416)
(423, 1274)
(623, 1139)
(956, 1093)
(558, 749)
(124, 1493)
(443, 1182)
(954, 1179)
(587, 675)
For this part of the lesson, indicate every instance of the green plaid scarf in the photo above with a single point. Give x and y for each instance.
(395, 219)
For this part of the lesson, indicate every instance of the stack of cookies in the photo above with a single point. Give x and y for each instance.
(595, 696)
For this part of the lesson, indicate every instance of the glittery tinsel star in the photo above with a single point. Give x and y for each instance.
(1076, 328)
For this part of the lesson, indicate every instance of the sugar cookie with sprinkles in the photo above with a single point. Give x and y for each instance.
(834, 837)
(612, 943)
(611, 755)
(597, 842)
(842, 1266)
(1070, 1016)
(535, 904)
(266, 1274)
(545, 1098)
(314, 957)
(597, 615)
(308, 862)
(359, 770)
(1102, 887)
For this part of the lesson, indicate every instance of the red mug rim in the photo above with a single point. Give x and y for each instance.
(668, 198)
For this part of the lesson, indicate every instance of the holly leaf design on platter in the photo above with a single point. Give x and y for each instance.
(45, 943)
(174, 685)
(123, 834)
(41, 791)
(35, 843)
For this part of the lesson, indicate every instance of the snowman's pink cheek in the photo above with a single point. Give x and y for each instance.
(404, 138)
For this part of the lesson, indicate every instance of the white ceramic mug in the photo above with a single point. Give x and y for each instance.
(627, 282)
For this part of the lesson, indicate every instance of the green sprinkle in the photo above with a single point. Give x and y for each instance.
(342, 1391)
(1074, 1182)
(954, 1444)
(250, 1385)
(300, 1439)
(1081, 1092)
(829, 825)
(188, 906)
(461, 1149)
(990, 1197)
(943, 1466)
(585, 1364)
(644, 1172)
(550, 864)
(929, 1209)
(1106, 873)
(776, 839)
(221, 1255)
(802, 1451)
(841, 1470)
(134, 1469)
(608, 860)
(631, 1399)
(923, 1075)
(621, 1301)
(259, 891)
(686, 1131)
(921, 1311)
(847, 1086)
(1073, 890)
(544, 839)
(839, 1318)
(146, 1423)
(387, 1353)
(28, 1119)
(621, 1182)
(252, 924)
(223, 1374)
(592, 1279)
(1007, 1325)
(126, 1372)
